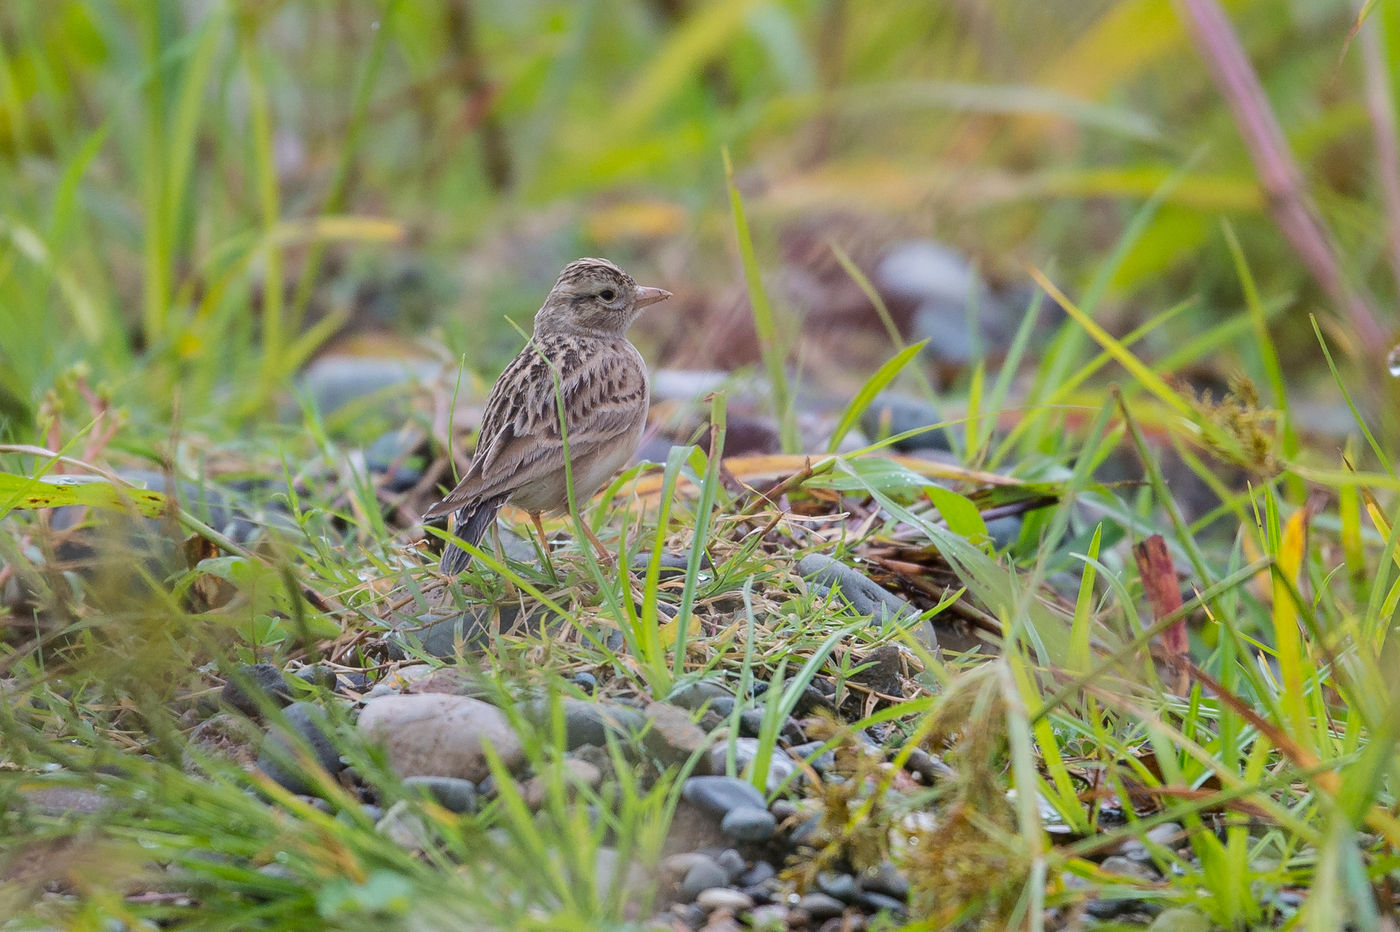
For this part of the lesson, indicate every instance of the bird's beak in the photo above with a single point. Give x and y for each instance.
(647, 295)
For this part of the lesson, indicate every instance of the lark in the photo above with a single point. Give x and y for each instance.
(578, 353)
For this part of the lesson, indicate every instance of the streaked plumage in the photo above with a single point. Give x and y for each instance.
(580, 334)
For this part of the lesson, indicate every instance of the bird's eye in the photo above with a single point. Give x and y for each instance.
(607, 294)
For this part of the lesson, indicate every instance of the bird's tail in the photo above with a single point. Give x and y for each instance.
(472, 522)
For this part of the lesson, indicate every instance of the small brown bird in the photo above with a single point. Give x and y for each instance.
(580, 334)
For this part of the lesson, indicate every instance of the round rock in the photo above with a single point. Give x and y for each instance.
(724, 898)
(719, 795)
(438, 735)
(703, 875)
(307, 725)
(749, 824)
(252, 687)
(452, 793)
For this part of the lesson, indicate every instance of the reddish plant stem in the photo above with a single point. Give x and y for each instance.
(1279, 174)
(1380, 106)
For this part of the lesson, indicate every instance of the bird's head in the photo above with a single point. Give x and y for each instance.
(595, 297)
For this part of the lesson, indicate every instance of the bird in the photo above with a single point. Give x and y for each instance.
(579, 344)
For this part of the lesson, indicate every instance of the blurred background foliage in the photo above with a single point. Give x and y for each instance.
(197, 196)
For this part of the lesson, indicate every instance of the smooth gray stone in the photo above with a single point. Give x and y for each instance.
(1180, 919)
(452, 793)
(471, 630)
(842, 886)
(761, 872)
(716, 898)
(821, 906)
(250, 688)
(309, 723)
(749, 825)
(703, 875)
(719, 795)
(865, 596)
(880, 903)
(694, 696)
(335, 380)
(892, 414)
(587, 722)
(732, 862)
(673, 738)
(886, 879)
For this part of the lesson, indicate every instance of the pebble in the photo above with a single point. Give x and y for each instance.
(232, 737)
(318, 674)
(751, 722)
(771, 918)
(1128, 867)
(806, 832)
(589, 722)
(673, 738)
(1004, 531)
(842, 886)
(784, 809)
(719, 795)
(724, 898)
(451, 793)
(576, 773)
(672, 565)
(704, 873)
(928, 768)
(694, 696)
(1180, 919)
(880, 903)
(396, 455)
(886, 879)
(251, 688)
(746, 751)
(894, 413)
(309, 725)
(760, 873)
(586, 682)
(749, 824)
(821, 906)
(823, 760)
(63, 801)
(333, 380)
(405, 828)
(863, 594)
(437, 735)
(882, 670)
(732, 862)
(465, 632)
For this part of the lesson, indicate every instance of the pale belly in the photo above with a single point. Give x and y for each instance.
(590, 472)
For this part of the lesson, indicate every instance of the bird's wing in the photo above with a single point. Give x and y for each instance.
(604, 386)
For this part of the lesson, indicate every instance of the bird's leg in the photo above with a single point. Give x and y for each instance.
(544, 544)
(604, 557)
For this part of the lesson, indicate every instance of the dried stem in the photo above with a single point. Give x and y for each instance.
(1380, 107)
(1278, 172)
